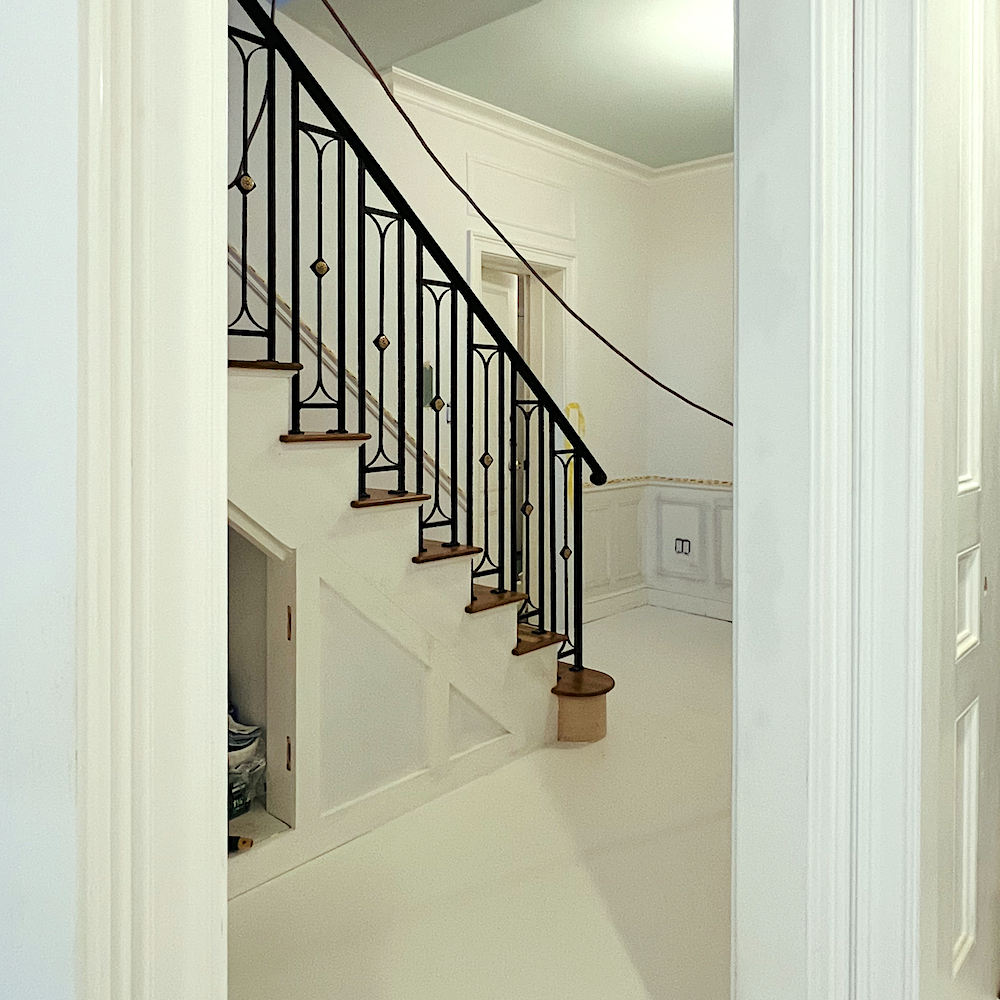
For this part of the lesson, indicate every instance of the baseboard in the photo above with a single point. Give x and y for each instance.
(612, 604)
(704, 606)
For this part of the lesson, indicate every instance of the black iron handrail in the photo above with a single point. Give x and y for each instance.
(499, 468)
(276, 42)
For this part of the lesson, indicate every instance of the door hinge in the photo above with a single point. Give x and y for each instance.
(289, 623)
(288, 753)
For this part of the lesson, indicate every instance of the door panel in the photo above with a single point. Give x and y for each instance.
(961, 233)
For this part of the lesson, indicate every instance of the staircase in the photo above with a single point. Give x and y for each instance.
(388, 442)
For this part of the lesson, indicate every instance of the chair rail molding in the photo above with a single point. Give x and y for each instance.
(152, 516)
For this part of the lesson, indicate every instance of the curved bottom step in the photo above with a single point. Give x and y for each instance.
(582, 694)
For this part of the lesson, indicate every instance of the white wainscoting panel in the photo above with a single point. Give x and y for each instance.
(663, 542)
(511, 196)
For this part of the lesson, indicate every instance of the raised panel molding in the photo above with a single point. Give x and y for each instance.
(966, 834)
(967, 607)
(681, 534)
(513, 197)
(666, 543)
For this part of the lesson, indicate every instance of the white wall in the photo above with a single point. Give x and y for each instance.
(691, 321)
(38, 330)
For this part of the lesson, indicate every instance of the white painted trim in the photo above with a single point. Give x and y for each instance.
(474, 160)
(541, 252)
(257, 535)
(792, 876)
(152, 517)
(612, 604)
(689, 604)
(888, 497)
(703, 166)
(415, 90)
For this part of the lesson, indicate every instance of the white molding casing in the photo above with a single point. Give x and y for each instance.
(793, 678)
(888, 496)
(709, 163)
(152, 515)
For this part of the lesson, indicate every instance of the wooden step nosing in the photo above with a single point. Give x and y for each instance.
(281, 369)
(308, 438)
(532, 643)
(602, 682)
(491, 601)
(385, 499)
(441, 554)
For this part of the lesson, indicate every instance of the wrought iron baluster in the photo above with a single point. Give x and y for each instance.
(503, 474)
(514, 479)
(577, 634)
(363, 493)
(469, 430)
(551, 462)
(419, 381)
(341, 286)
(296, 241)
(540, 521)
(401, 355)
(272, 213)
(453, 418)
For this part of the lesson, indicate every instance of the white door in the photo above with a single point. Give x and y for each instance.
(962, 785)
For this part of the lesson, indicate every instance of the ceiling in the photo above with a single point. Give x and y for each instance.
(391, 30)
(649, 79)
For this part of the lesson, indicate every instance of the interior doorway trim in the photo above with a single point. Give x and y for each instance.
(543, 255)
(151, 529)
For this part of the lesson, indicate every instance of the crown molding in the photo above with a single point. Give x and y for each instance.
(720, 162)
(416, 90)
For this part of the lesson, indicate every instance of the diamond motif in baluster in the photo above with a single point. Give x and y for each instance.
(320, 267)
(381, 342)
(247, 183)
(438, 403)
(486, 461)
(566, 552)
(526, 509)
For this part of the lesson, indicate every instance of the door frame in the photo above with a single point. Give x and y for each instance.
(830, 558)
(825, 897)
(151, 529)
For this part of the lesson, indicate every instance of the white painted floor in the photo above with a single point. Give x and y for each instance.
(595, 872)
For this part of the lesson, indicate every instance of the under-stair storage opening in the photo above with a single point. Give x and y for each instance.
(262, 683)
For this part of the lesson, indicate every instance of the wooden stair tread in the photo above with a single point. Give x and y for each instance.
(331, 436)
(383, 498)
(268, 366)
(581, 683)
(483, 599)
(528, 640)
(434, 551)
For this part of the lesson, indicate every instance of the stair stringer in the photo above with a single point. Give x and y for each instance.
(300, 495)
